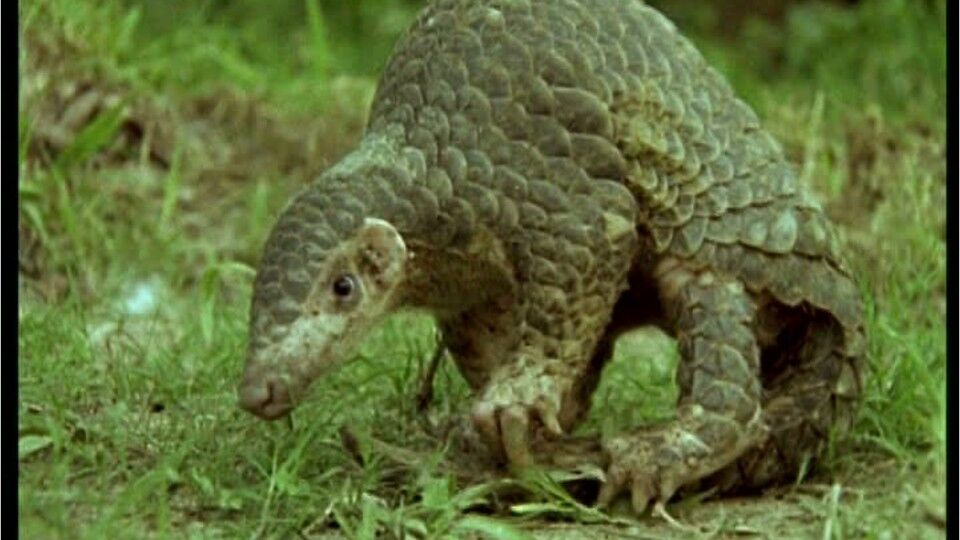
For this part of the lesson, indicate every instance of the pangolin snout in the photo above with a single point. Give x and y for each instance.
(266, 397)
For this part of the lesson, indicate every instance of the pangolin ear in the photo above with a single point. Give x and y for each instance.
(381, 251)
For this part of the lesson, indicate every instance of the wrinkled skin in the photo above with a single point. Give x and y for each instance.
(544, 176)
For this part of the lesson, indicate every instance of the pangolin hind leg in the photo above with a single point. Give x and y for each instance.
(719, 414)
(811, 390)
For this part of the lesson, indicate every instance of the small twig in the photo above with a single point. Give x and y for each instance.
(351, 444)
(393, 454)
(425, 395)
(824, 489)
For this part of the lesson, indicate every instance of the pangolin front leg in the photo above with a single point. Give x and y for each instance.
(513, 394)
(719, 413)
(533, 389)
(563, 305)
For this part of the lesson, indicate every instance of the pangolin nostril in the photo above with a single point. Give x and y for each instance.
(253, 396)
(267, 399)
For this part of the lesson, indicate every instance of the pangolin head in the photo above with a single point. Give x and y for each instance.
(329, 272)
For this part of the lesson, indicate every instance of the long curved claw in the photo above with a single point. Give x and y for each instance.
(652, 476)
(613, 486)
(506, 430)
(485, 419)
(515, 428)
(548, 416)
(660, 510)
(642, 491)
(510, 412)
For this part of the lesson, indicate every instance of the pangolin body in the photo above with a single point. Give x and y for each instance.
(542, 176)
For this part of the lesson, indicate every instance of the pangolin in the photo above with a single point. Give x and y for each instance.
(542, 176)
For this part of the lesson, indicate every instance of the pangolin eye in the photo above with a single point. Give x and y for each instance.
(344, 285)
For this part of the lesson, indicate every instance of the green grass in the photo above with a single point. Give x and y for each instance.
(141, 228)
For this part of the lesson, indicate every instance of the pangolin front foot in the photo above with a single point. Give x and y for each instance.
(510, 410)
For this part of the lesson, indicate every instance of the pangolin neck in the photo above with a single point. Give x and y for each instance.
(444, 272)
